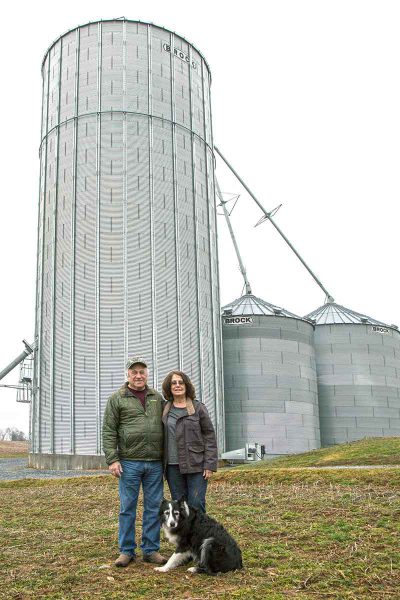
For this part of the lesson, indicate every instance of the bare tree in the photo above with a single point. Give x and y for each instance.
(12, 434)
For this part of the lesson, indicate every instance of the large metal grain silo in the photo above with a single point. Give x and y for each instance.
(127, 252)
(270, 378)
(358, 367)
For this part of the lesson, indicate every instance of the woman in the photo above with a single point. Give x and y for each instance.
(190, 446)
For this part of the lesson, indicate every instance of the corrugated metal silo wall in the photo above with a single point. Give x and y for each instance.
(127, 250)
(270, 385)
(358, 370)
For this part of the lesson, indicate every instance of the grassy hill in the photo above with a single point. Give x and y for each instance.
(370, 451)
(304, 533)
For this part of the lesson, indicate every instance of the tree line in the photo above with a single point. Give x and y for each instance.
(12, 434)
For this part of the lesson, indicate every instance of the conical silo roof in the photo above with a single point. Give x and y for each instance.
(332, 313)
(251, 305)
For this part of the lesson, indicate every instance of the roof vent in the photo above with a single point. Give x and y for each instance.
(277, 311)
(227, 311)
(364, 320)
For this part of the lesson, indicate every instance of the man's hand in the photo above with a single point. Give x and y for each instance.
(207, 474)
(115, 468)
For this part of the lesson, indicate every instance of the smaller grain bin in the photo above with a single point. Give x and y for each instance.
(270, 378)
(358, 367)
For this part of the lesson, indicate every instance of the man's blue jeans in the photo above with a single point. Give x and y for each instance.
(150, 475)
(191, 485)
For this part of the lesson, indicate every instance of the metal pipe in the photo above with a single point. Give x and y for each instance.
(179, 272)
(228, 221)
(219, 351)
(151, 205)
(211, 214)
(268, 216)
(197, 275)
(28, 350)
(99, 174)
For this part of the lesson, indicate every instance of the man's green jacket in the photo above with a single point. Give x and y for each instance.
(131, 431)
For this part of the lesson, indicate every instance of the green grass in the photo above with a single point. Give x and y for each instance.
(370, 451)
(303, 533)
(13, 455)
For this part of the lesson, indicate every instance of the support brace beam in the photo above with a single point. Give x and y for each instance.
(228, 221)
(329, 298)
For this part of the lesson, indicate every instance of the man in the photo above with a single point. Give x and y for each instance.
(133, 442)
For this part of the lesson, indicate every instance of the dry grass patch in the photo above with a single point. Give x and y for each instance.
(13, 449)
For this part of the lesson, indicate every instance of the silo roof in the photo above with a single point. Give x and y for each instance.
(251, 305)
(332, 313)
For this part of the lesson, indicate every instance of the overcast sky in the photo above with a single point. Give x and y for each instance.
(306, 107)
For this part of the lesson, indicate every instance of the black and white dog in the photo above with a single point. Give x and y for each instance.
(199, 537)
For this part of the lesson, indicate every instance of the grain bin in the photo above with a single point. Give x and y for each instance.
(358, 367)
(127, 251)
(270, 378)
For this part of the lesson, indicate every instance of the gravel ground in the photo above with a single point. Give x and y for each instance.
(17, 468)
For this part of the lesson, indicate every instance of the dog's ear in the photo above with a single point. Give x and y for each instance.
(186, 507)
(164, 501)
(183, 504)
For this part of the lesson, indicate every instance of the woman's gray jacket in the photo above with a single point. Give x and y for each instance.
(195, 438)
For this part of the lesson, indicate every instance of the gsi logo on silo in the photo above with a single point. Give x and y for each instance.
(238, 320)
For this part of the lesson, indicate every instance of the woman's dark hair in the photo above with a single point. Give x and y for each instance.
(166, 386)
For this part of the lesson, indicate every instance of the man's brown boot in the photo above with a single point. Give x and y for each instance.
(123, 560)
(155, 558)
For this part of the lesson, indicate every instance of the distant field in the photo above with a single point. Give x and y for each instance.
(320, 534)
(13, 449)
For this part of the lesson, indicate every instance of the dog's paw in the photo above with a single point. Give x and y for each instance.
(192, 570)
(161, 569)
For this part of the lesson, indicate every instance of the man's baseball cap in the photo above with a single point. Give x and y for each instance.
(135, 360)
